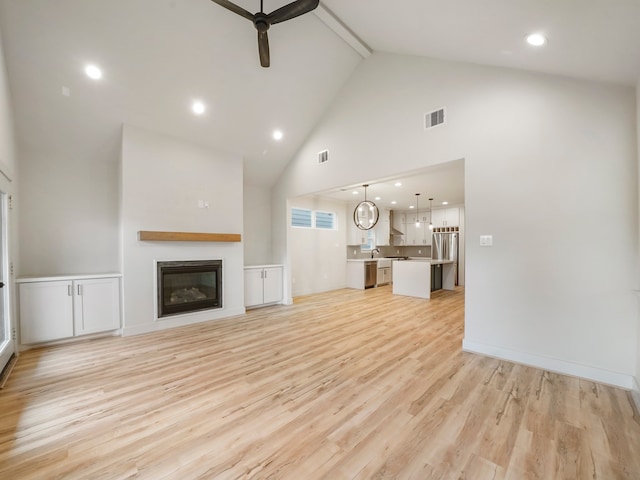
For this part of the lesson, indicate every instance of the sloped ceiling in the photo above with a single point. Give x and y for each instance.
(159, 55)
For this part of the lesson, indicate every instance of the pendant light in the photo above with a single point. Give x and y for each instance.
(430, 224)
(417, 211)
(366, 213)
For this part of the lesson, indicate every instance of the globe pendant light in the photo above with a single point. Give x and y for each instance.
(417, 211)
(366, 213)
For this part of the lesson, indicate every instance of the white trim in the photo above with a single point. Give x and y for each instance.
(340, 29)
(181, 320)
(551, 364)
(67, 277)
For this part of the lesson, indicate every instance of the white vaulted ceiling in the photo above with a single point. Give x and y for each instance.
(159, 55)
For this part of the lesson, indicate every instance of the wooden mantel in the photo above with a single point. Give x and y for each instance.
(146, 235)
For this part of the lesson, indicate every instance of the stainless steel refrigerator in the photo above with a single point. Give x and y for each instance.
(444, 246)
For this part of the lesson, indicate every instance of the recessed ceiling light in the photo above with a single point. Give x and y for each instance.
(536, 39)
(398, 184)
(277, 135)
(198, 107)
(411, 206)
(93, 72)
(377, 198)
(355, 192)
(445, 203)
(393, 202)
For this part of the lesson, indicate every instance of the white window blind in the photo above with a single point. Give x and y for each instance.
(325, 220)
(301, 217)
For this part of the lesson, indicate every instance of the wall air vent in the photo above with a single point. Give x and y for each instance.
(323, 157)
(435, 118)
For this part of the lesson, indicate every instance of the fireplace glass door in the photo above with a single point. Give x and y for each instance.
(189, 286)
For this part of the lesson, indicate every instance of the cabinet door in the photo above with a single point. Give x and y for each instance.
(453, 217)
(355, 236)
(438, 217)
(272, 285)
(46, 311)
(96, 305)
(383, 229)
(253, 287)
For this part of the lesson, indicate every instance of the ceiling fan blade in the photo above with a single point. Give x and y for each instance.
(292, 10)
(263, 48)
(234, 8)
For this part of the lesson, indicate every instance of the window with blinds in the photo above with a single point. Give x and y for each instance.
(325, 220)
(305, 218)
(301, 217)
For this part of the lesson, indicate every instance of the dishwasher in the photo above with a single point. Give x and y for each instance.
(370, 274)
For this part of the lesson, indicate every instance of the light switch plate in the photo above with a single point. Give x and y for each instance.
(486, 240)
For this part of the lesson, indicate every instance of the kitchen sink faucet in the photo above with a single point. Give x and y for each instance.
(375, 250)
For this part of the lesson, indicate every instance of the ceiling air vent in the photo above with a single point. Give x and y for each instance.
(435, 118)
(323, 157)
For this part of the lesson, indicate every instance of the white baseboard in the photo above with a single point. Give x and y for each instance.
(180, 321)
(552, 364)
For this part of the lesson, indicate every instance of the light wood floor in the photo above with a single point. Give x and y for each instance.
(345, 385)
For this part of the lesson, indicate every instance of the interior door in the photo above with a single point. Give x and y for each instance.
(7, 346)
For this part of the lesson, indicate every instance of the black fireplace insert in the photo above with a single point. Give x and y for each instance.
(189, 286)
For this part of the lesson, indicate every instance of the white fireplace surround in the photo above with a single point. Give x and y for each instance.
(163, 179)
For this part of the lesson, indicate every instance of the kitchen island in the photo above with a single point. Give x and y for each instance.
(413, 277)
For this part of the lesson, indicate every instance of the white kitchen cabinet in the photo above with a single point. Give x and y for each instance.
(446, 217)
(383, 229)
(355, 236)
(262, 285)
(420, 235)
(54, 308)
(384, 276)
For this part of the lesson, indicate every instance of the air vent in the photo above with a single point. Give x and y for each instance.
(435, 118)
(323, 157)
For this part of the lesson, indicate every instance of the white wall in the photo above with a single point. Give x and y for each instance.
(69, 221)
(162, 181)
(550, 163)
(318, 257)
(257, 225)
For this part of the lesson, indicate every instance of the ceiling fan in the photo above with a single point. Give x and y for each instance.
(263, 21)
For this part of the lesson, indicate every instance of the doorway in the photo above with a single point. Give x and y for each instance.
(7, 343)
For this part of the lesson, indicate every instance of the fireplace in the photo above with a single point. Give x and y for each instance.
(189, 286)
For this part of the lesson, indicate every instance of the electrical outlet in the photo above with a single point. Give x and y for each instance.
(419, 252)
(355, 252)
(200, 203)
(397, 251)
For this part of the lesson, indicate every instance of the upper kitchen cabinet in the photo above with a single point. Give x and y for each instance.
(355, 236)
(383, 229)
(445, 217)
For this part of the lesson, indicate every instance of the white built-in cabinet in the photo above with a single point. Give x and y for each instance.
(355, 236)
(384, 276)
(383, 229)
(420, 235)
(55, 308)
(262, 285)
(446, 217)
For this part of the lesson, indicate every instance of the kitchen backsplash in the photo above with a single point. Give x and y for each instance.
(416, 251)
